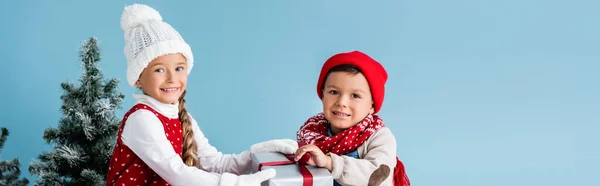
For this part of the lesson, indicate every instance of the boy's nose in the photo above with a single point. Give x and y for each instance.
(342, 102)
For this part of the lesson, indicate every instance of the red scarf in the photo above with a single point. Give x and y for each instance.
(314, 131)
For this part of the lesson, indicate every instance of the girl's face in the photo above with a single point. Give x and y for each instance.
(346, 100)
(165, 78)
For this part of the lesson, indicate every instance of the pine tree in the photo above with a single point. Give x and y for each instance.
(83, 142)
(9, 170)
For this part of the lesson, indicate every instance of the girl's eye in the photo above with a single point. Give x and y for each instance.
(334, 92)
(159, 70)
(179, 69)
(356, 96)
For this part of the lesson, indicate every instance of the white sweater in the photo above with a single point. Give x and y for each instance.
(144, 135)
(380, 148)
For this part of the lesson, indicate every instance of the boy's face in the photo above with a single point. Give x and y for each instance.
(346, 100)
(165, 78)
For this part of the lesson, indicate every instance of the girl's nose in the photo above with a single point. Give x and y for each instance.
(171, 77)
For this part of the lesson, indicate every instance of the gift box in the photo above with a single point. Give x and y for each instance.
(290, 173)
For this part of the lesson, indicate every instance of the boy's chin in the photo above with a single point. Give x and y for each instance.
(341, 125)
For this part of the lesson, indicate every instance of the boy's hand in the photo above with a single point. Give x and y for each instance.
(317, 158)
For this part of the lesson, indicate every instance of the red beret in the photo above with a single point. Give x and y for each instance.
(371, 69)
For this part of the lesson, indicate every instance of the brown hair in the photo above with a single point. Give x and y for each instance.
(190, 148)
(341, 68)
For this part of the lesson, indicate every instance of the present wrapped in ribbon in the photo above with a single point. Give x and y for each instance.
(290, 173)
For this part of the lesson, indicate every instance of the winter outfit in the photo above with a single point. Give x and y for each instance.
(149, 145)
(370, 139)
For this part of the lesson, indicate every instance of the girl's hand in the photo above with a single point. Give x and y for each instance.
(228, 179)
(285, 146)
(317, 158)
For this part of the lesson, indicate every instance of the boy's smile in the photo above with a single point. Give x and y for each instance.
(340, 114)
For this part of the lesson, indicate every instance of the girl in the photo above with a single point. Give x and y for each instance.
(348, 138)
(158, 142)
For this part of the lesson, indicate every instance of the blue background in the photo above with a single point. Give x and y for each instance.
(479, 92)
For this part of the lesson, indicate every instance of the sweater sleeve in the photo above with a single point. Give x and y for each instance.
(144, 134)
(213, 160)
(380, 150)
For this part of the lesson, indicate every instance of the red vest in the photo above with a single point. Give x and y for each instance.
(126, 168)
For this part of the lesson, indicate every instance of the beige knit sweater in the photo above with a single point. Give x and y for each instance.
(380, 148)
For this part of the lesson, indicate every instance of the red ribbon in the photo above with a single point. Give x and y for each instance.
(307, 178)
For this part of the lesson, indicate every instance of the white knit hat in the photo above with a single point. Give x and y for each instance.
(148, 37)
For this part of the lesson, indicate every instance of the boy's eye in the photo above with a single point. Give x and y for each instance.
(179, 69)
(356, 96)
(334, 92)
(159, 70)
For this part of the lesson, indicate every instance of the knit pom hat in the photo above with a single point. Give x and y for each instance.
(371, 69)
(148, 37)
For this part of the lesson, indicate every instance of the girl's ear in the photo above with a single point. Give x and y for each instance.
(138, 84)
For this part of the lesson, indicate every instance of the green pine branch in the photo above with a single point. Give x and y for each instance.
(83, 140)
(9, 170)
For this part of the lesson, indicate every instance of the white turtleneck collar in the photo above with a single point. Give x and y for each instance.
(169, 110)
